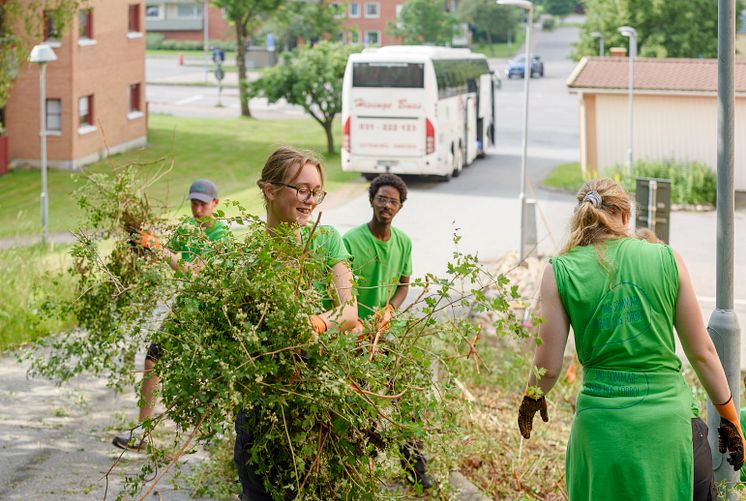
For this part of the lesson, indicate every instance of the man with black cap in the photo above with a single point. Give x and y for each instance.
(181, 253)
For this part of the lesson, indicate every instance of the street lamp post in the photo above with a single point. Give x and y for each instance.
(529, 6)
(43, 54)
(631, 33)
(600, 36)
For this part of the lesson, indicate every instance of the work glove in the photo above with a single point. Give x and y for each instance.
(318, 324)
(382, 318)
(730, 436)
(526, 412)
(148, 240)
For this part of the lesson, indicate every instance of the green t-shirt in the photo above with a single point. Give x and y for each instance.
(186, 241)
(326, 240)
(378, 265)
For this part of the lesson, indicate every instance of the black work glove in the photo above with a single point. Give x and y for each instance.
(526, 412)
(729, 440)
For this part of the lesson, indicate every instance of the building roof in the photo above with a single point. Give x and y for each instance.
(674, 75)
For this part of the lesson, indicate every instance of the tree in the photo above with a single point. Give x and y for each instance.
(20, 28)
(311, 78)
(561, 8)
(300, 19)
(424, 22)
(489, 20)
(245, 15)
(680, 28)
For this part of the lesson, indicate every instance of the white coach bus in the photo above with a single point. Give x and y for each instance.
(416, 110)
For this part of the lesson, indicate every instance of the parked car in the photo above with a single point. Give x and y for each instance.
(517, 67)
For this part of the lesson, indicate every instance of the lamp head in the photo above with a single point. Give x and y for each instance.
(627, 31)
(42, 54)
(523, 4)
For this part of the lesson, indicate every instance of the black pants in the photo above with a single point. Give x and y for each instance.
(704, 483)
(252, 485)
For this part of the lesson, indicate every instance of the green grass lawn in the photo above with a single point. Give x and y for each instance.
(567, 177)
(229, 56)
(500, 49)
(230, 152)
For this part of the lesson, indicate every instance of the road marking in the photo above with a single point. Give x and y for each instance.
(707, 299)
(190, 99)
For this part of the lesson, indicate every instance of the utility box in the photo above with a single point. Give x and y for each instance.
(653, 198)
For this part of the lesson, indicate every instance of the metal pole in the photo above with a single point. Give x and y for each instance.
(206, 35)
(631, 60)
(601, 44)
(43, 136)
(723, 326)
(527, 79)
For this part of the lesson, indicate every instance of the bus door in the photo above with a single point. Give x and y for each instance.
(470, 130)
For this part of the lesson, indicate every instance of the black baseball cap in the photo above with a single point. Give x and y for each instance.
(203, 190)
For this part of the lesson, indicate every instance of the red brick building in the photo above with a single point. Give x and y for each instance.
(95, 91)
(184, 20)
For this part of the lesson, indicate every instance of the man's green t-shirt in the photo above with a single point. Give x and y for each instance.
(378, 265)
(187, 242)
(326, 240)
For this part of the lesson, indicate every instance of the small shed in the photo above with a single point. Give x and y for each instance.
(675, 111)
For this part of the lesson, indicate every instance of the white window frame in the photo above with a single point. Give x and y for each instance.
(378, 36)
(377, 13)
(356, 32)
(351, 14)
(398, 14)
(196, 11)
(47, 130)
(161, 11)
(339, 10)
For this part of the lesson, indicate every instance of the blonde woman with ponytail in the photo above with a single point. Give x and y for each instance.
(631, 436)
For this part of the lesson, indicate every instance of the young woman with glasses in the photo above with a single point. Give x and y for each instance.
(631, 435)
(292, 184)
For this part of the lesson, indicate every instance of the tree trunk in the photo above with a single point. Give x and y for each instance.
(329, 136)
(243, 94)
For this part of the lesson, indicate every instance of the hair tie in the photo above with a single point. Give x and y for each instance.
(594, 198)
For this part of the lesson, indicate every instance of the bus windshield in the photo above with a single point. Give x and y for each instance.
(398, 75)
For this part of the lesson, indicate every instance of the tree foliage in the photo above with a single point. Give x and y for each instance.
(489, 21)
(676, 28)
(424, 22)
(560, 8)
(21, 26)
(298, 19)
(310, 77)
(245, 16)
(238, 337)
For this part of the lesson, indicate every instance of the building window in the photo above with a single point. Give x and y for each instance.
(355, 9)
(372, 38)
(85, 24)
(189, 10)
(353, 37)
(85, 110)
(153, 11)
(50, 29)
(372, 9)
(54, 115)
(135, 97)
(338, 9)
(133, 18)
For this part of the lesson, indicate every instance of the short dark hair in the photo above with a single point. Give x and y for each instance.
(388, 180)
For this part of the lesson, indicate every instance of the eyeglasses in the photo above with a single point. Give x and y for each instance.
(304, 193)
(382, 201)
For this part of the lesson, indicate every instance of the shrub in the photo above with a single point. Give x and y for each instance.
(691, 182)
(153, 41)
(548, 23)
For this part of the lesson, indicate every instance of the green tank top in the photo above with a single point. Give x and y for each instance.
(621, 299)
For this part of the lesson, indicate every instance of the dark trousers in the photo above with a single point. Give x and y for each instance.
(704, 483)
(252, 485)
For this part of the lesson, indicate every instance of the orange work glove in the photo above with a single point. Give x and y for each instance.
(526, 412)
(730, 436)
(383, 318)
(318, 324)
(148, 240)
